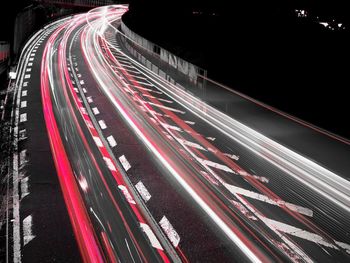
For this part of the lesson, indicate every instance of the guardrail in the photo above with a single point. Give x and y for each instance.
(136, 44)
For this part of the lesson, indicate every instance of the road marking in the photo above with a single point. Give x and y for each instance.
(23, 104)
(84, 90)
(98, 141)
(151, 236)
(27, 76)
(23, 117)
(143, 191)
(145, 83)
(127, 194)
(22, 134)
(190, 122)
(125, 162)
(171, 127)
(24, 187)
(82, 82)
(263, 198)
(95, 111)
(31, 59)
(165, 107)
(138, 77)
(30, 64)
(111, 141)
(303, 234)
(215, 165)
(160, 99)
(126, 66)
(170, 231)
(24, 93)
(32, 55)
(28, 69)
(102, 124)
(191, 144)
(27, 230)
(146, 89)
(25, 84)
(89, 99)
(110, 164)
(232, 156)
(22, 157)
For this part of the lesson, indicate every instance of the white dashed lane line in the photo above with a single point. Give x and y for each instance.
(143, 191)
(125, 162)
(102, 124)
(24, 93)
(89, 99)
(25, 84)
(95, 110)
(27, 76)
(23, 117)
(111, 141)
(23, 104)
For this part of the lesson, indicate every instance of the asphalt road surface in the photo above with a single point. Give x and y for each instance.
(131, 168)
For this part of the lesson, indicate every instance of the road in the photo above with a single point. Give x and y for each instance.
(144, 171)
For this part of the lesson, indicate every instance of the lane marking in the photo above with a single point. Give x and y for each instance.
(191, 144)
(27, 230)
(143, 191)
(23, 117)
(31, 59)
(25, 84)
(23, 104)
(110, 164)
(125, 162)
(24, 93)
(30, 64)
(165, 107)
(27, 76)
(102, 124)
(111, 141)
(98, 141)
(170, 231)
(95, 111)
(28, 69)
(127, 194)
(263, 198)
(151, 236)
(24, 187)
(84, 90)
(89, 99)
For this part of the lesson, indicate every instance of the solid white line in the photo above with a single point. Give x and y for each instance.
(125, 162)
(111, 141)
(170, 231)
(143, 191)
(27, 230)
(102, 124)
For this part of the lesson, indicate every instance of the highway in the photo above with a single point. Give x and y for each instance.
(144, 171)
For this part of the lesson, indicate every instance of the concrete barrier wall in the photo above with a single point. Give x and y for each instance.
(183, 66)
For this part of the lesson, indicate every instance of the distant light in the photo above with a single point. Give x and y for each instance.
(12, 75)
(301, 13)
(325, 24)
(340, 24)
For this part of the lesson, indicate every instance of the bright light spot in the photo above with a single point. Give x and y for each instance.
(12, 75)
